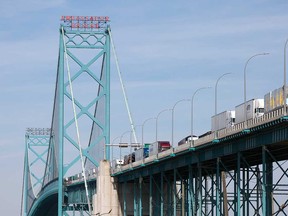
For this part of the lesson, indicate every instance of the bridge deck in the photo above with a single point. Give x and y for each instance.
(270, 130)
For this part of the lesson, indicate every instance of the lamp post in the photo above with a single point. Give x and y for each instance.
(157, 121)
(113, 146)
(121, 142)
(216, 85)
(143, 129)
(172, 141)
(284, 86)
(131, 133)
(192, 104)
(245, 102)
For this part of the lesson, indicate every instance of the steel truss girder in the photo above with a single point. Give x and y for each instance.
(219, 190)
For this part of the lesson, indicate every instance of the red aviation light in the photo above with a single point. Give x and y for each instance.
(85, 22)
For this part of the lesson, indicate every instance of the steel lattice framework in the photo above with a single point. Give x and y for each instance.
(242, 174)
(84, 52)
(36, 149)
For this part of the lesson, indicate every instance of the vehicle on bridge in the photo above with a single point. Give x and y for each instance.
(116, 163)
(79, 177)
(142, 152)
(205, 134)
(254, 109)
(158, 147)
(274, 99)
(129, 158)
(187, 139)
(223, 120)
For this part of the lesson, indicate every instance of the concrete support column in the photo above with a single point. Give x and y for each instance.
(106, 198)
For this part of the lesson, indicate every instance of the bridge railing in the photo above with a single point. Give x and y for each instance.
(90, 175)
(268, 117)
(204, 139)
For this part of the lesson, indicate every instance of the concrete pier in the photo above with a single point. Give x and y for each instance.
(105, 201)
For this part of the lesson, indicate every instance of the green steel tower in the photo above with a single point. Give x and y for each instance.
(81, 103)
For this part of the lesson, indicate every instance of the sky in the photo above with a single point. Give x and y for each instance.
(166, 52)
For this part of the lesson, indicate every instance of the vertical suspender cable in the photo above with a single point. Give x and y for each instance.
(123, 88)
(76, 123)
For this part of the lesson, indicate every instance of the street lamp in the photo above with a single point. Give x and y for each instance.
(284, 86)
(121, 142)
(192, 104)
(216, 135)
(157, 122)
(245, 102)
(113, 146)
(131, 132)
(143, 129)
(173, 118)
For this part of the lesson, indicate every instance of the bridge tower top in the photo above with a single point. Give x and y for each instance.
(85, 23)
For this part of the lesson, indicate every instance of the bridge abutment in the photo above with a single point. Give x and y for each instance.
(106, 201)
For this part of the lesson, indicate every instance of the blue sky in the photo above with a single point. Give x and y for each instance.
(166, 51)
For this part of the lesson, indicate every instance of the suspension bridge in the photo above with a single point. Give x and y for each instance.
(67, 169)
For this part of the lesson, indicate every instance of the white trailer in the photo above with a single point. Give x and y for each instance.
(158, 146)
(254, 109)
(187, 140)
(139, 154)
(142, 153)
(223, 120)
(116, 163)
(274, 99)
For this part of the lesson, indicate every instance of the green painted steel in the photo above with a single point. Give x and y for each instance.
(36, 150)
(135, 198)
(238, 182)
(150, 195)
(102, 81)
(90, 111)
(60, 132)
(124, 199)
(218, 210)
(140, 196)
(174, 192)
(88, 56)
(233, 177)
(185, 183)
(161, 195)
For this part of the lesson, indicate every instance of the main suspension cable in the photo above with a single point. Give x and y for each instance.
(123, 87)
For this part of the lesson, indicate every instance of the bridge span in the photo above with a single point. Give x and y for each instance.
(240, 174)
(241, 171)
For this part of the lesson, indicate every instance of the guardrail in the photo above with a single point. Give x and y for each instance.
(90, 174)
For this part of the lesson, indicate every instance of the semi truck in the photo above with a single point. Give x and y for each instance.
(254, 109)
(142, 152)
(116, 163)
(223, 120)
(274, 99)
(158, 146)
(187, 140)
